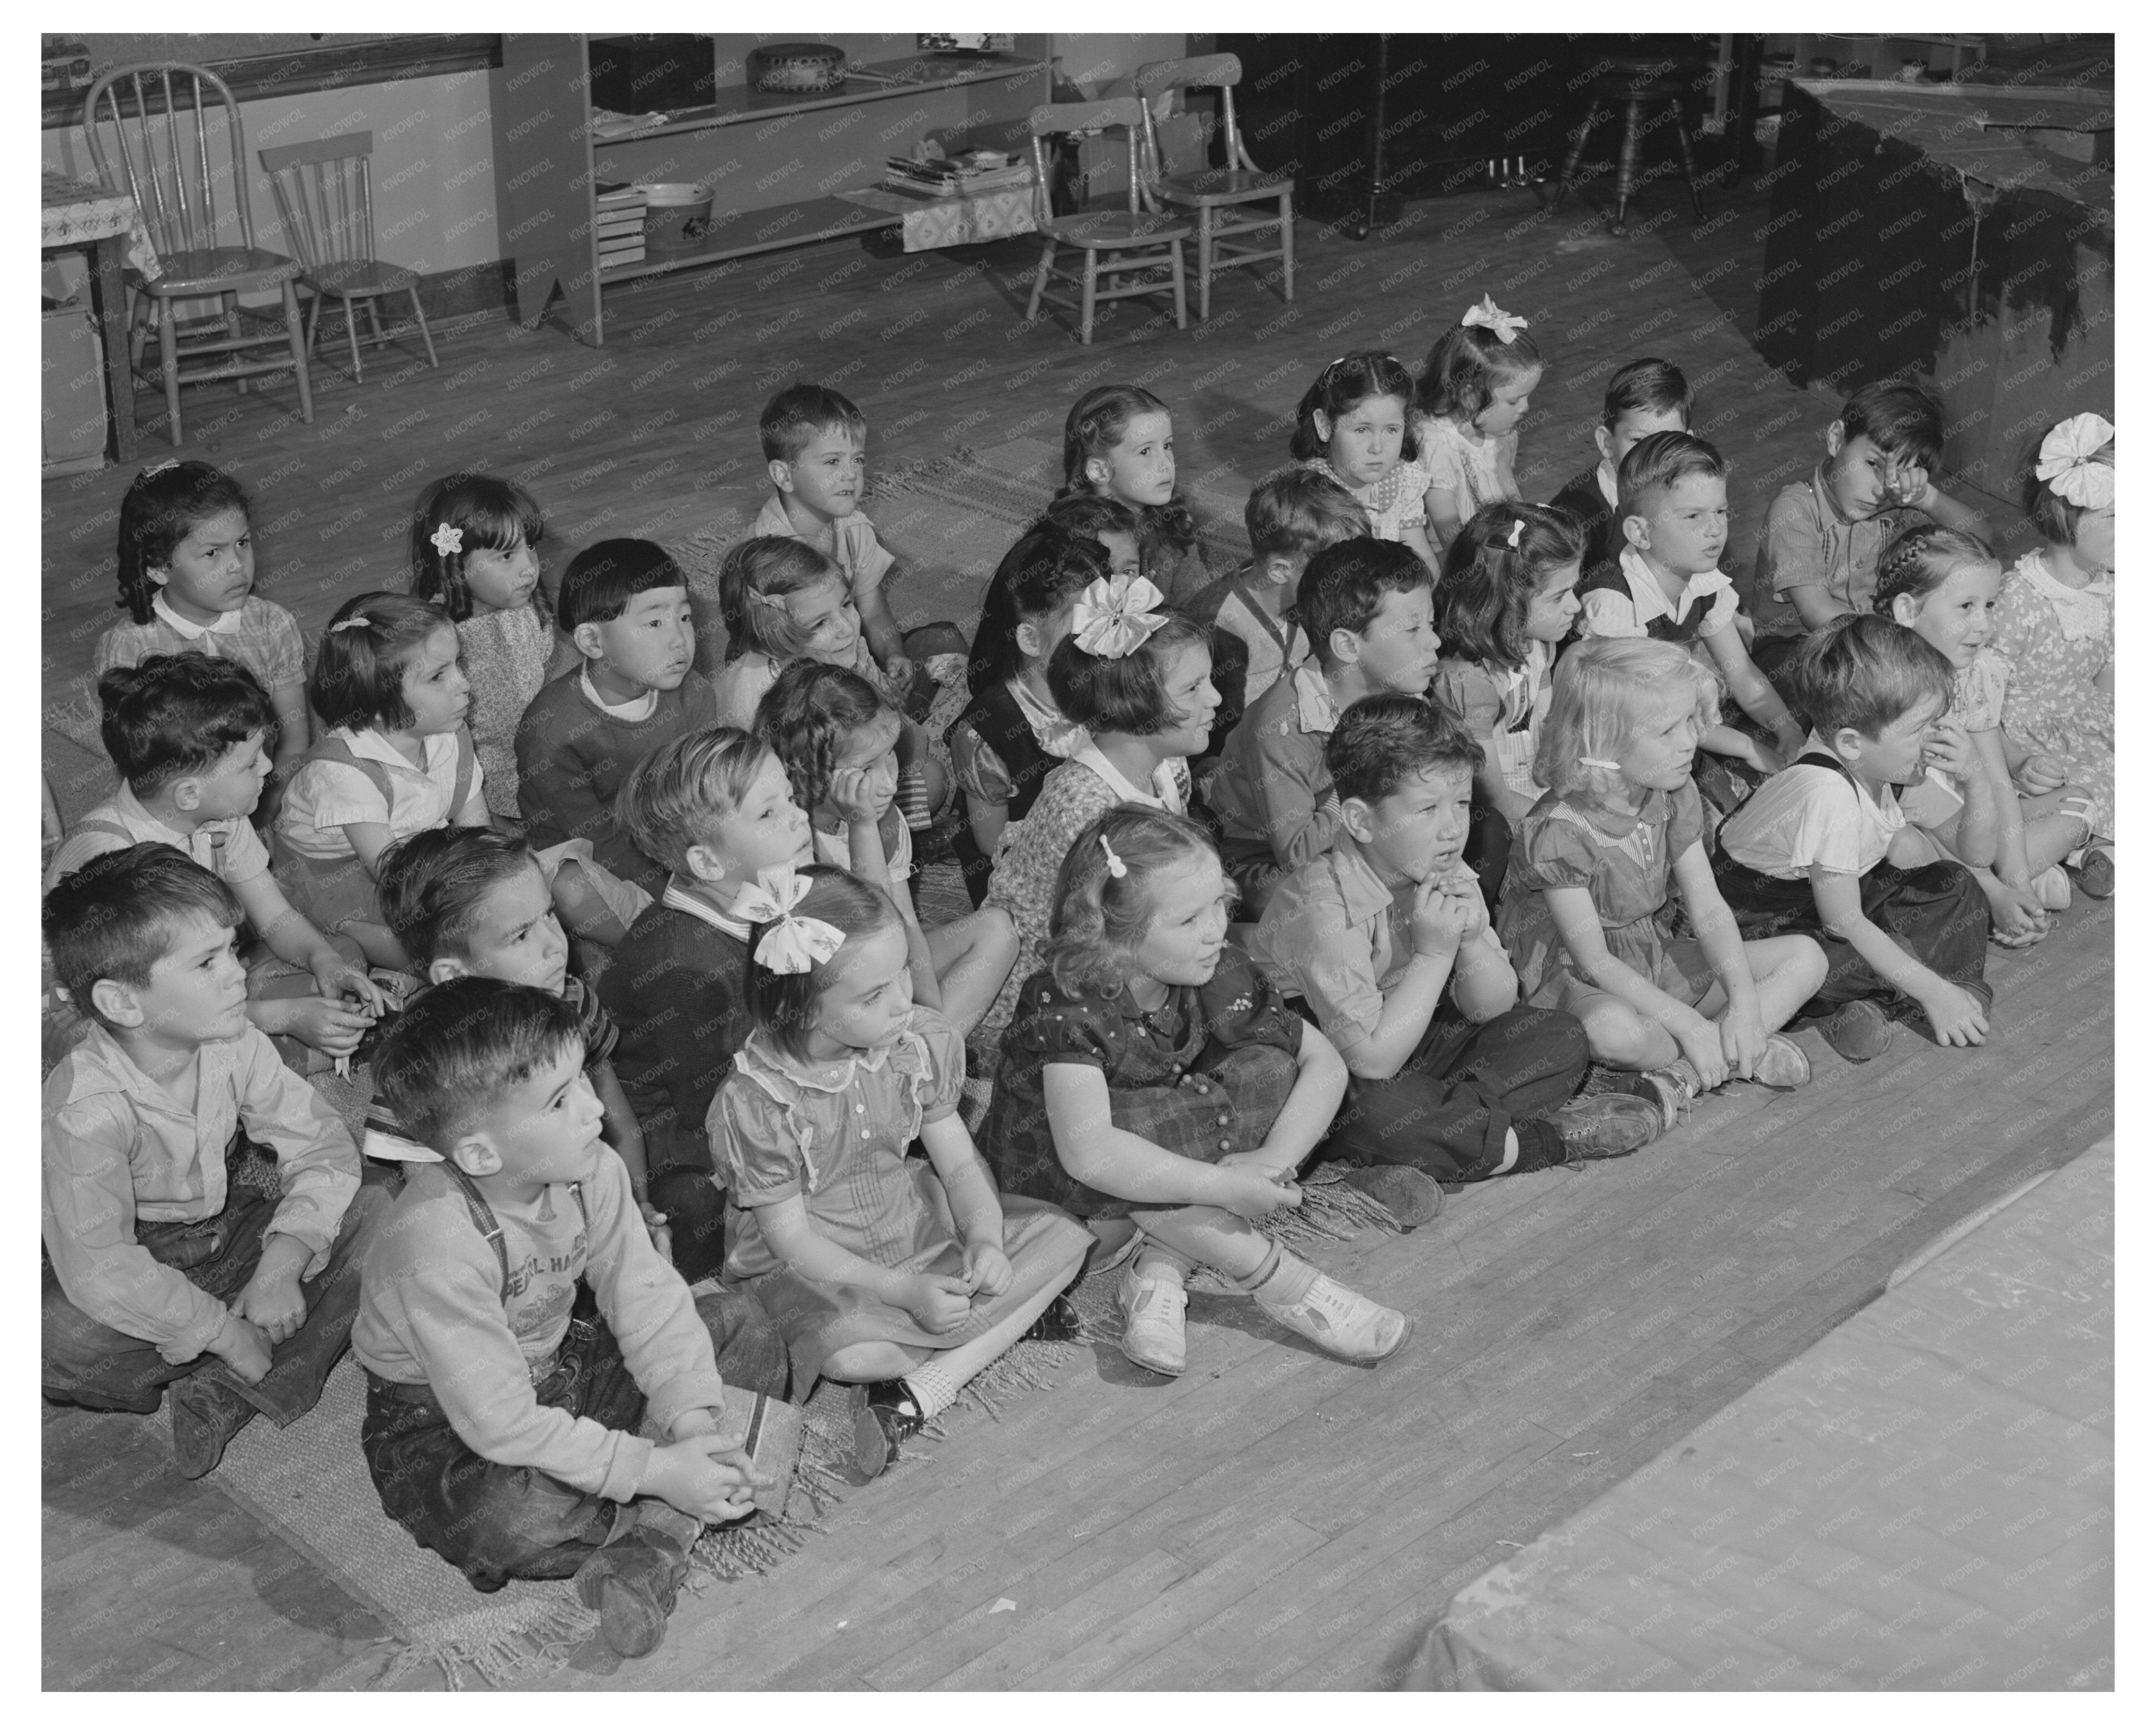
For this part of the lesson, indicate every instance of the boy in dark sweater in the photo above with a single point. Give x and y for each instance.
(716, 806)
(1647, 396)
(625, 603)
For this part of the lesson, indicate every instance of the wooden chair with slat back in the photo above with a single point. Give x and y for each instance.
(154, 133)
(1226, 200)
(1133, 243)
(326, 199)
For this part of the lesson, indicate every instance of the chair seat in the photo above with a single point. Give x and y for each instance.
(216, 269)
(1631, 87)
(1225, 184)
(1099, 229)
(359, 276)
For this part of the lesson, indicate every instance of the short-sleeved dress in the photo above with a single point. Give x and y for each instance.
(2056, 640)
(835, 1135)
(1979, 700)
(1203, 1076)
(1486, 698)
(1471, 467)
(506, 655)
(1393, 503)
(1626, 867)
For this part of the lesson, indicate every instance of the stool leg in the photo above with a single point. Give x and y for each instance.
(1570, 170)
(425, 334)
(1684, 154)
(1205, 260)
(1628, 160)
(1287, 247)
(1040, 280)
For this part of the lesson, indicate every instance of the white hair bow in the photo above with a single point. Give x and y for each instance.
(792, 943)
(1502, 324)
(2064, 463)
(1115, 616)
(448, 541)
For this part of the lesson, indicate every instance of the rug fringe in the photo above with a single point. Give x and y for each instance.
(534, 1647)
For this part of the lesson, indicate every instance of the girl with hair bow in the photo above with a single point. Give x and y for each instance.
(2054, 630)
(903, 1275)
(1468, 406)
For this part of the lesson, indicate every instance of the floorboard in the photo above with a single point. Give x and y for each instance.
(1273, 1519)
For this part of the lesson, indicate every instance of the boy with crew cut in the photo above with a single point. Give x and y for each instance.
(625, 604)
(1645, 397)
(190, 735)
(519, 1331)
(1291, 517)
(204, 1211)
(1366, 606)
(1823, 848)
(1386, 941)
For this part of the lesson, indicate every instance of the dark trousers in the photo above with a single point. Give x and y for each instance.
(94, 1366)
(1446, 1112)
(1937, 914)
(493, 1522)
(1489, 848)
(696, 1212)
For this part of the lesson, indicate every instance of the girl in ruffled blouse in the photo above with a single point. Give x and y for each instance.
(2054, 632)
(907, 1275)
(1353, 425)
(1468, 406)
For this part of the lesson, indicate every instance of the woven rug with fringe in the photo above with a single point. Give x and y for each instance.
(309, 1483)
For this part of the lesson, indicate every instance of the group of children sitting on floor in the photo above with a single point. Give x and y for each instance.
(1452, 835)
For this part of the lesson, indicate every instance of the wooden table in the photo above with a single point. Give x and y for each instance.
(106, 224)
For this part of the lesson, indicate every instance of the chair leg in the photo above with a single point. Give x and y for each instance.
(1204, 261)
(314, 321)
(168, 359)
(1175, 275)
(1570, 170)
(1684, 154)
(232, 329)
(1287, 246)
(1086, 297)
(1628, 161)
(351, 335)
(297, 337)
(374, 320)
(1040, 280)
(425, 335)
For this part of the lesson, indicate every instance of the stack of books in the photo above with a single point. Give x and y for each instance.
(978, 172)
(620, 225)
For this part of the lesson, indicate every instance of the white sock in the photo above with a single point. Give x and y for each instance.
(1512, 1152)
(931, 1388)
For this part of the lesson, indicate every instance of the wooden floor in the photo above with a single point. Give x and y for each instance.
(1272, 1519)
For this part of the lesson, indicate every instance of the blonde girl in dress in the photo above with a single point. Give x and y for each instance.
(475, 553)
(1468, 406)
(1587, 907)
(2054, 632)
(1353, 425)
(1507, 597)
(907, 1275)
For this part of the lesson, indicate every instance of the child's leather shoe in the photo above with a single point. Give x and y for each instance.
(632, 1584)
(1411, 1196)
(1858, 1031)
(1346, 1324)
(887, 1416)
(1614, 1124)
(1153, 1308)
(206, 1414)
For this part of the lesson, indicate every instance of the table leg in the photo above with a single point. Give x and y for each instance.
(112, 328)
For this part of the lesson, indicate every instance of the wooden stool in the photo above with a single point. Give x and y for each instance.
(1639, 89)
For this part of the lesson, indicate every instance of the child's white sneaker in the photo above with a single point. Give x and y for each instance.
(1153, 1307)
(2053, 890)
(1346, 1324)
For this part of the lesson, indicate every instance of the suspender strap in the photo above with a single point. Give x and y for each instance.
(489, 1225)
